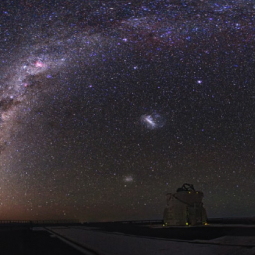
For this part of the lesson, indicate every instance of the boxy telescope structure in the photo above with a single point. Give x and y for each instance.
(185, 207)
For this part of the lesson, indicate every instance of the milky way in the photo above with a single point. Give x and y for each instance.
(105, 106)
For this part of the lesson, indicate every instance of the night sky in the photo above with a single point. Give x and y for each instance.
(106, 106)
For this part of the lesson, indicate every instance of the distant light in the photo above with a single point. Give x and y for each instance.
(187, 223)
(199, 81)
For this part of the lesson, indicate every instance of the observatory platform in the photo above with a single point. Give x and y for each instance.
(128, 238)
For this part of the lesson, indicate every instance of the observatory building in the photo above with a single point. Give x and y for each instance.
(185, 207)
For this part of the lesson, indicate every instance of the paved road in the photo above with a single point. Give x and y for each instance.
(105, 243)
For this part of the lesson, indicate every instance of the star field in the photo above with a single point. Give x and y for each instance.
(105, 106)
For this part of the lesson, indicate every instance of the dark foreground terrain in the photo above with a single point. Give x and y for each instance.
(53, 239)
(24, 241)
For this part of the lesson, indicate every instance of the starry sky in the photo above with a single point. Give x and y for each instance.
(106, 106)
